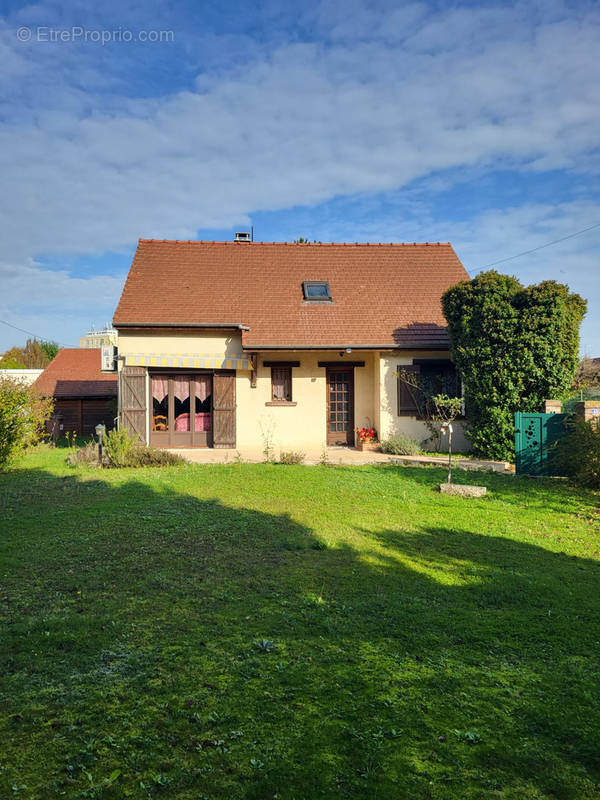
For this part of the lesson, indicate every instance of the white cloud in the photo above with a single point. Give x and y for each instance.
(87, 169)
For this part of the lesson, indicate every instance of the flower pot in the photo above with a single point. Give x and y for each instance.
(367, 444)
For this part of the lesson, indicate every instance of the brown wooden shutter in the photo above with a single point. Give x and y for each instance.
(133, 400)
(224, 409)
(408, 396)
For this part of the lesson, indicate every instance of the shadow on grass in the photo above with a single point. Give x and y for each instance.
(545, 493)
(210, 651)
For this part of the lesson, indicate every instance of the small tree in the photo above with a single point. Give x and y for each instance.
(23, 412)
(438, 411)
(34, 355)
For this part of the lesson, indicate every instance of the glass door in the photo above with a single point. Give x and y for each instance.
(340, 406)
(181, 410)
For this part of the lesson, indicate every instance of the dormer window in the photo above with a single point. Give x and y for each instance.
(316, 290)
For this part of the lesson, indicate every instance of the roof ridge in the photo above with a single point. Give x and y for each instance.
(297, 244)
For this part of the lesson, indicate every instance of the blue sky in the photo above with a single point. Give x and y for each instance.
(475, 123)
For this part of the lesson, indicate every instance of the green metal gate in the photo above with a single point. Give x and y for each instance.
(534, 436)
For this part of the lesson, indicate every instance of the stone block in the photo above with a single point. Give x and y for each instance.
(588, 410)
(462, 489)
(552, 406)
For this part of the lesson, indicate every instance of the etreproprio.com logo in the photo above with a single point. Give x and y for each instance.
(78, 33)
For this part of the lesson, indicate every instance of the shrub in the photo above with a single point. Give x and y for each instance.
(121, 449)
(88, 454)
(23, 412)
(291, 457)
(400, 445)
(119, 446)
(577, 454)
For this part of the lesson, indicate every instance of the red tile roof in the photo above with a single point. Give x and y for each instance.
(382, 294)
(76, 373)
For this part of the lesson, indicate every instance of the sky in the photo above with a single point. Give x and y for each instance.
(476, 123)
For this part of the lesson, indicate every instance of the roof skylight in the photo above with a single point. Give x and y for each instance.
(316, 290)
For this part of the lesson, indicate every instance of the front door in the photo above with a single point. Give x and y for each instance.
(340, 405)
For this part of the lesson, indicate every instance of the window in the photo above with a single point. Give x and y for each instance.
(316, 290)
(420, 381)
(281, 384)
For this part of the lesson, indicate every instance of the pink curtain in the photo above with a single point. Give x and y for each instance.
(202, 387)
(160, 387)
(181, 388)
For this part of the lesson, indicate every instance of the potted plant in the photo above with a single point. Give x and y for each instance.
(366, 439)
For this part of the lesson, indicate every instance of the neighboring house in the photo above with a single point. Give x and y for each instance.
(224, 344)
(24, 376)
(83, 395)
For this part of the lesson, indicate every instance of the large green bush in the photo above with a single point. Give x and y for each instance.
(514, 347)
(23, 413)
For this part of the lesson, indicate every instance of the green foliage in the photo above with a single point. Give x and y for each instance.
(446, 408)
(50, 349)
(577, 454)
(400, 445)
(514, 347)
(122, 449)
(35, 355)
(23, 413)
(291, 457)
(13, 359)
(119, 446)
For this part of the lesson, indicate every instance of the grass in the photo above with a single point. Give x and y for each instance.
(267, 631)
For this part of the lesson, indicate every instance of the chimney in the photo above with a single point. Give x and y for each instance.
(242, 236)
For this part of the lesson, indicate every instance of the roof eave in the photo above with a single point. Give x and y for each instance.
(235, 325)
(344, 345)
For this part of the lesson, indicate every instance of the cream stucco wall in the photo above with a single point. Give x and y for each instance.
(303, 425)
(176, 343)
(390, 422)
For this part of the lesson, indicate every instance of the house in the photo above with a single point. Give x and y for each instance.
(83, 395)
(225, 344)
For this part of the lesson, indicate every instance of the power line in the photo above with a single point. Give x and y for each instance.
(29, 333)
(541, 247)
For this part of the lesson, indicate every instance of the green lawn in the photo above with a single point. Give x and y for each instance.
(267, 631)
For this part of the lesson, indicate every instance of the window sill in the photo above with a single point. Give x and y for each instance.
(281, 403)
(459, 418)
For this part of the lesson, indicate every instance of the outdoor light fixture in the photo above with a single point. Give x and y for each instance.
(348, 349)
(100, 431)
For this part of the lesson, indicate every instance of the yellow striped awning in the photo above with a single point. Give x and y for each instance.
(188, 360)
